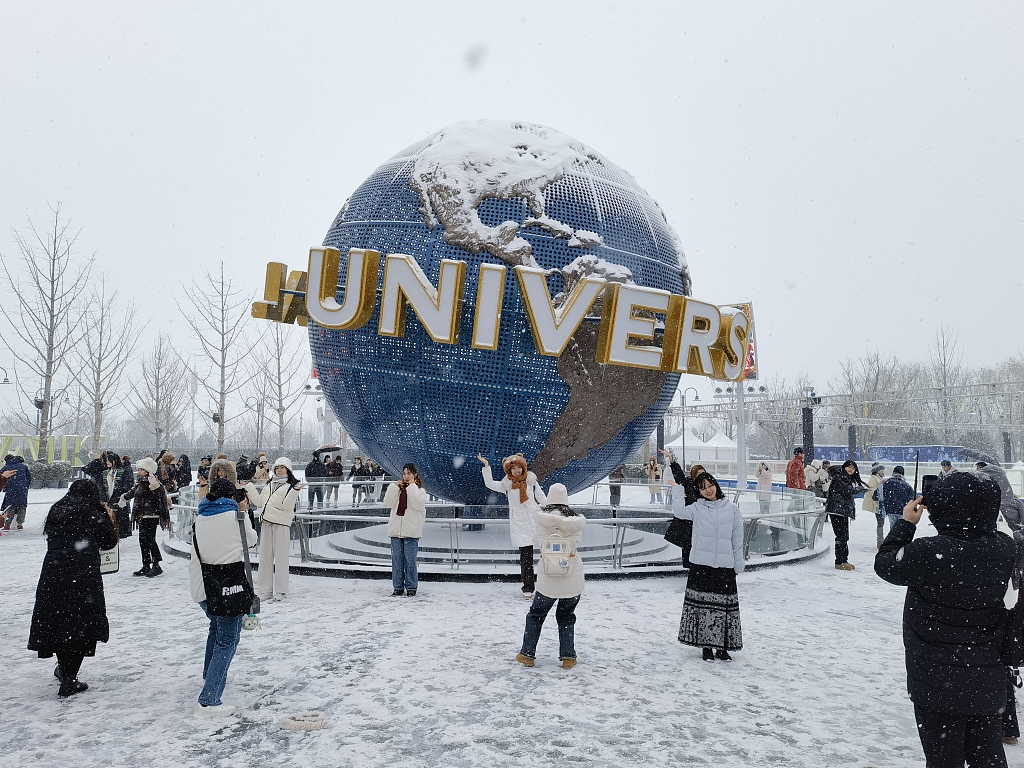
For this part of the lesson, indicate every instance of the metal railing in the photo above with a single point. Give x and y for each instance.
(775, 524)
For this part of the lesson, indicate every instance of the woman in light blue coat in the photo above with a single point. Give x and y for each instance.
(711, 609)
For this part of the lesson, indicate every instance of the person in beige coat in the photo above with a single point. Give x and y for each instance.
(654, 472)
(558, 581)
(277, 500)
(870, 503)
(408, 503)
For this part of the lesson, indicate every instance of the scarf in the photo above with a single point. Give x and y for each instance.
(519, 483)
(403, 501)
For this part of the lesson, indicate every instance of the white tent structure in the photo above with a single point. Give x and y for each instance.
(717, 448)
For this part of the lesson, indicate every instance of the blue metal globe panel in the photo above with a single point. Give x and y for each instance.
(437, 405)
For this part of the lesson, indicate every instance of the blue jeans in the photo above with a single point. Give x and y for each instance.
(403, 563)
(315, 492)
(221, 643)
(565, 615)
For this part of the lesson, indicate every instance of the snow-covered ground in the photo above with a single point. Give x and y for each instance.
(432, 681)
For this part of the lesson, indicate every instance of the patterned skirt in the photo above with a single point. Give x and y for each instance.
(711, 609)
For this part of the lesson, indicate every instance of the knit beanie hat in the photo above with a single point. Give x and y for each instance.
(283, 461)
(147, 464)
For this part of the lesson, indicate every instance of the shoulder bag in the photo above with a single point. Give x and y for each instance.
(680, 533)
(228, 590)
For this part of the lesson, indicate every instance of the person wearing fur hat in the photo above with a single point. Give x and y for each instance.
(557, 584)
(525, 499)
(222, 467)
(408, 503)
(953, 617)
(277, 500)
(150, 508)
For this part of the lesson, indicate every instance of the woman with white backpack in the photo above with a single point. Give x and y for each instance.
(277, 500)
(559, 577)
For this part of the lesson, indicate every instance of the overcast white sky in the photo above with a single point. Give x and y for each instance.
(854, 169)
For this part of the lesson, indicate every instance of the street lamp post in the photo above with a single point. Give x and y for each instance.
(741, 391)
(696, 398)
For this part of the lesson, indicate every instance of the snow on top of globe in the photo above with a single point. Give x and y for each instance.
(463, 164)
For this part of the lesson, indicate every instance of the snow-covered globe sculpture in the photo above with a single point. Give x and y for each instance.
(509, 193)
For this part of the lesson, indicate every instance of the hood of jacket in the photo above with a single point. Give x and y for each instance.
(1006, 492)
(229, 468)
(816, 464)
(964, 504)
(209, 508)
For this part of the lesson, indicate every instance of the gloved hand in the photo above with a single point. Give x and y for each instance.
(153, 483)
(121, 503)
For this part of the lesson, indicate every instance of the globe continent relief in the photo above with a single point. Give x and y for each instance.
(499, 192)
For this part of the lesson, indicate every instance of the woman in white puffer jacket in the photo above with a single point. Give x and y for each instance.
(711, 609)
(277, 500)
(525, 499)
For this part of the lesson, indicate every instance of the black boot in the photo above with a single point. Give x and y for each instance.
(57, 672)
(723, 655)
(71, 687)
(398, 593)
(156, 570)
(709, 655)
(143, 571)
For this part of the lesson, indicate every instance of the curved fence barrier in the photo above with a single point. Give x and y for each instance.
(779, 526)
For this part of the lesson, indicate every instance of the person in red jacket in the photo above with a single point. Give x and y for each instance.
(795, 476)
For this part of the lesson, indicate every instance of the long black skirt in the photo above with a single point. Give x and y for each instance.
(711, 609)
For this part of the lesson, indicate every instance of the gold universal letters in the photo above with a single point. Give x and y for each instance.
(699, 338)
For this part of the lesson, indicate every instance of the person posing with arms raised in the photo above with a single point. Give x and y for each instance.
(559, 579)
(70, 614)
(525, 499)
(217, 540)
(841, 509)
(150, 508)
(711, 608)
(277, 500)
(953, 617)
(408, 503)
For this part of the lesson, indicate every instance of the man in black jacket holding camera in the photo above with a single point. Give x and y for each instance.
(953, 618)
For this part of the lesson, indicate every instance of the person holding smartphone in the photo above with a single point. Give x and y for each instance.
(953, 617)
(408, 503)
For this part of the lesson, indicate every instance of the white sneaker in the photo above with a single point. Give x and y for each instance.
(527, 595)
(221, 710)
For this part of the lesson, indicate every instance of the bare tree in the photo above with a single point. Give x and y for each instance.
(103, 354)
(779, 417)
(868, 381)
(48, 298)
(160, 397)
(946, 368)
(284, 367)
(218, 318)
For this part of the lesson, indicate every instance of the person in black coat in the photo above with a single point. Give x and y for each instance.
(117, 481)
(315, 471)
(953, 617)
(841, 508)
(70, 614)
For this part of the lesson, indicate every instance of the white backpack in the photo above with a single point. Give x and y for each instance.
(556, 553)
